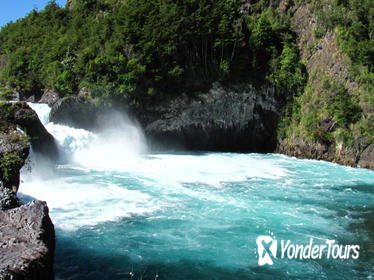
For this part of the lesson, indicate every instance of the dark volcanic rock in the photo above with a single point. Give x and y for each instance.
(14, 145)
(222, 120)
(367, 157)
(27, 243)
(50, 97)
(41, 140)
(14, 150)
(79, 112)
(8, 198)
(360, 154)
(27, 237)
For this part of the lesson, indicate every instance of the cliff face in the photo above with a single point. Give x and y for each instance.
(27, 233)
(236, 119)
(322, 54)
(79, 112)
(325, 62)
(241, 118)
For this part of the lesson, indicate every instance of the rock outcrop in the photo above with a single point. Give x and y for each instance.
(366, 159)
(321, 54)
(14, 150)
(237, 119)
(50, 97)
(26, 118)
(26, 232)
(360, 154)
(27, 243)
(78, 112)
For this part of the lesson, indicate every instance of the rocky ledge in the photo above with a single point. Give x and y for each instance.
(26, 231)
(360, 154)
(235, 119)
(27, 242)
(21, 115)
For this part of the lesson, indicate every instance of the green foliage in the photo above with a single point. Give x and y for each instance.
(327, 111)
(224, 70)
(289, 73)
(366, 100)
(343, 107)
(10, 162)
(354, 20)
(5, 94)
(6, 111)
(65, 83)
(139, 49)
(329, 103)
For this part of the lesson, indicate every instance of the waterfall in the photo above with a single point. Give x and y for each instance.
(116, 145)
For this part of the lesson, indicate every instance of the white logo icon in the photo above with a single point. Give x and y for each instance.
(266, 246)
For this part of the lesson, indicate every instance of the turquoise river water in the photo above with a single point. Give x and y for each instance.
(124, 212)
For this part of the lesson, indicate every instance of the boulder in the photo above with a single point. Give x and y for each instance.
(27, 243)
(50, 97)
(78, 112)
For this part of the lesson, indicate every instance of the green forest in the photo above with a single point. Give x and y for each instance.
(141, 51)
(136, 49)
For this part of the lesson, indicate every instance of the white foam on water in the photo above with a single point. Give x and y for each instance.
(214, 170)
(76, 204)
(120, 147)
(70, 140)
(112, 150)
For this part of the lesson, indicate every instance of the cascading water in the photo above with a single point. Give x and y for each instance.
(121, 212)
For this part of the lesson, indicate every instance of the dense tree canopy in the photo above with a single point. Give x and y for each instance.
(137, 49)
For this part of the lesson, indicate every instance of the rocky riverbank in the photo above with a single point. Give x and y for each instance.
(361, 154)
(27, 233)
(241, 119)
